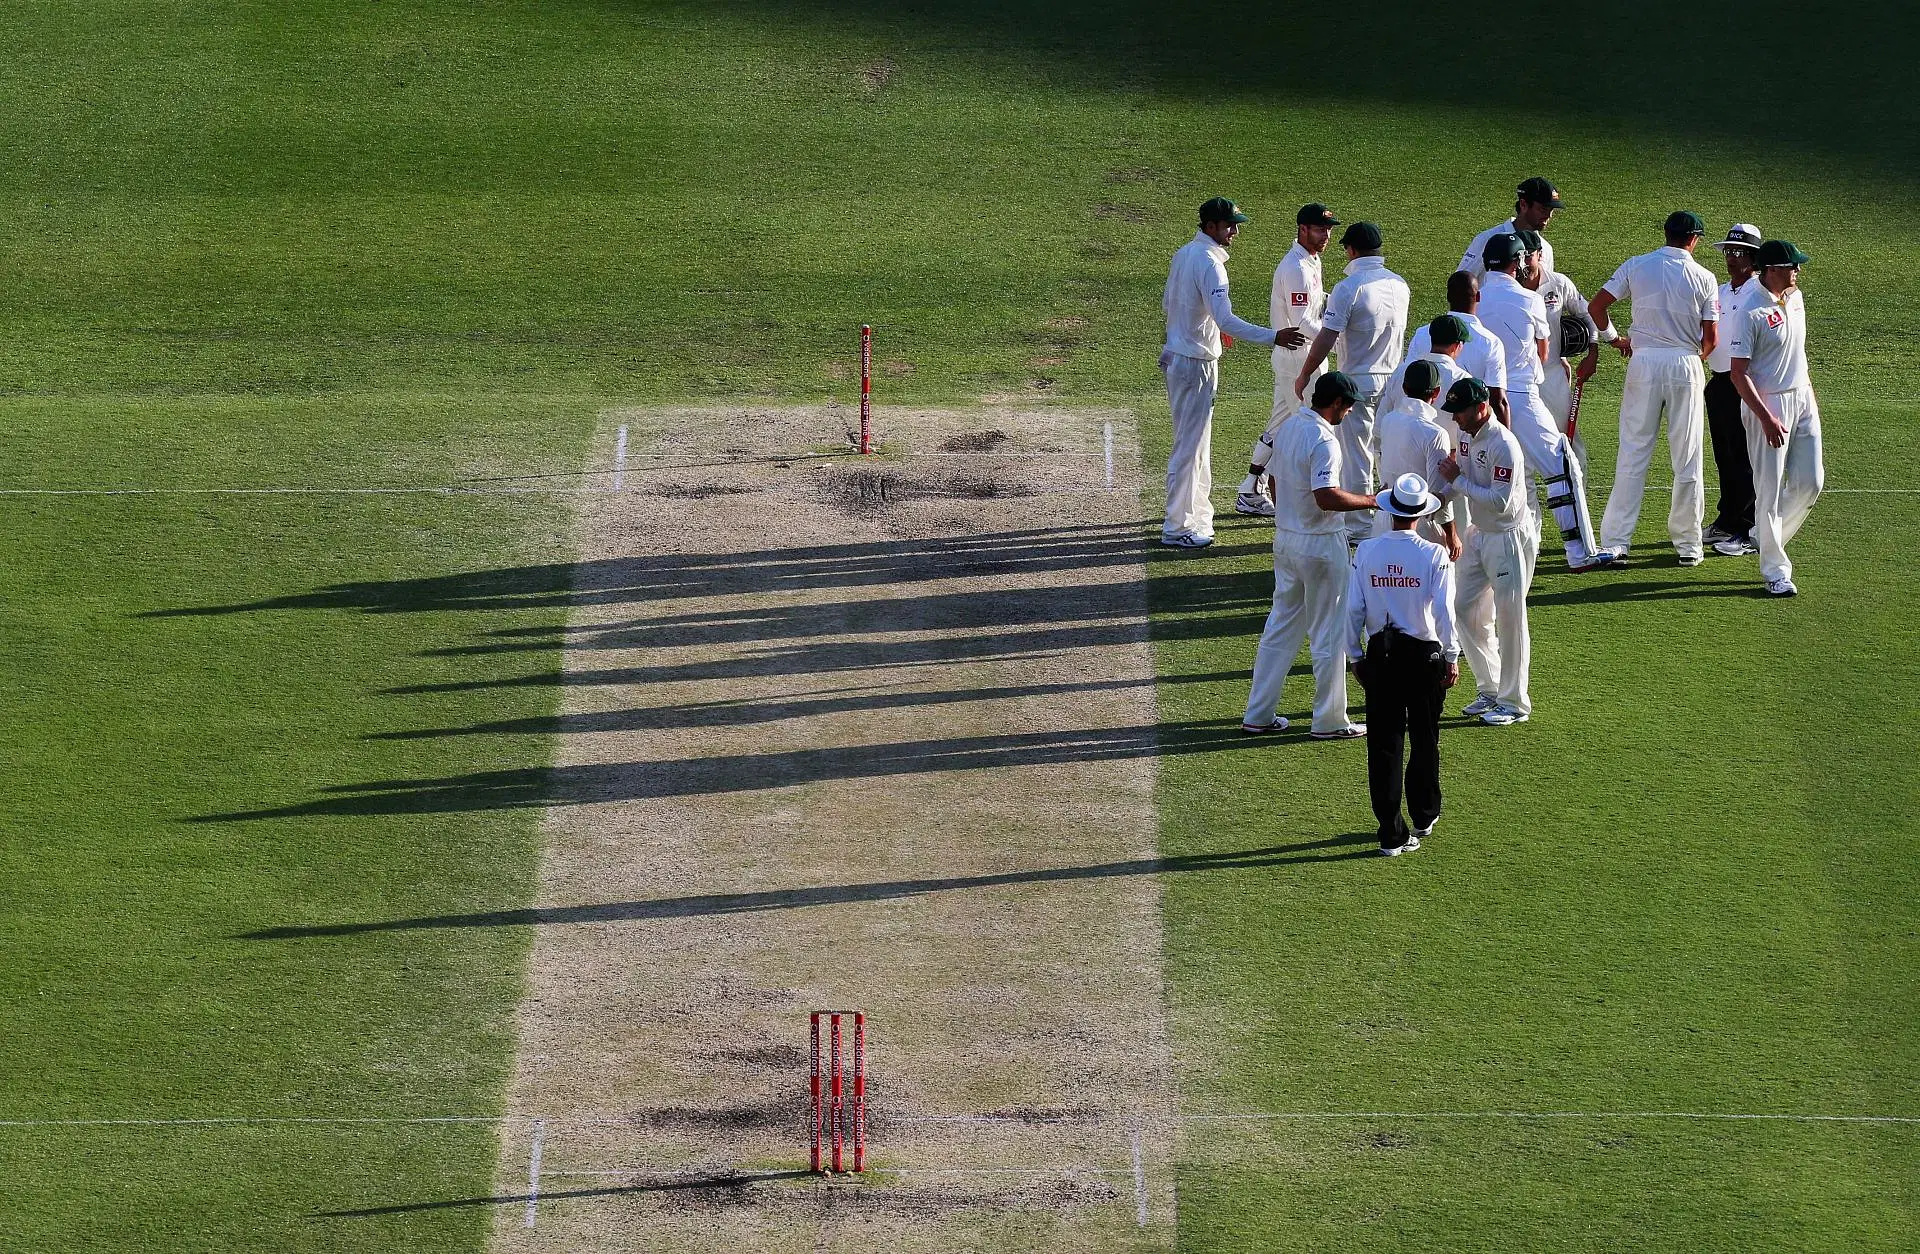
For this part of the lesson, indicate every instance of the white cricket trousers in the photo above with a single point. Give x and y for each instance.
(1670, 379)
(1556, 392)
(1310, 574)
(1286, 368)
(1357, 455)
(1547, 451)
(1786, 480)
(1191, 383)
(1490, 593)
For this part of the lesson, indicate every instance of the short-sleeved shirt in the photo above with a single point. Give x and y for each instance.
(1196, 303)
(1305, 457)
(1492, 479)
(1401, 580)
(1369, 310)
(1473, 263)
(1299, 299)
(1518, 320)
(1671, 293)
(1720, 360)
(1771, 333)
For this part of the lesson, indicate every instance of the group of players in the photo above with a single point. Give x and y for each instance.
(1483, 396)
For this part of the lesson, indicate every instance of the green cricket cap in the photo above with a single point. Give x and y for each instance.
(1532, 241)
(1464, 395)
(1502, 249)
(1685, 222)
(1780, 252)
(1540, 191)
(1422, 379)
(1220, 209)
(1334, 386)
(1361, 237)
(1315, 214)
(1449, 329)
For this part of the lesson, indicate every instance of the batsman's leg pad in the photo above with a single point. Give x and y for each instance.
(1567, 498)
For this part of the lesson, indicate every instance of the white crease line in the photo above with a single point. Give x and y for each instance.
(620, 458)
(233, 1120)
(1106, 446)
(1543, 1114)
(1139, 1182)
(539, 1144)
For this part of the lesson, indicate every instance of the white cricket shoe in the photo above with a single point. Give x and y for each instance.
(1502, 716)
(1481, 704)
(1421, 833)
(1781, 588)
(1182, 540)
(1279, 724)
(1690, 559)
(1352, 731)
(1716, 533)
(1734, 546)
(1253, 504)
(1413, 843)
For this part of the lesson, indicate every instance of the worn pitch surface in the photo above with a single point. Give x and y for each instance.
(852, 733)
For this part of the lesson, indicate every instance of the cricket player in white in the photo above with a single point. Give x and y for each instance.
(1676, 308)
(1731, 531)
(1537, 201)
(1769, 343)
(1518, 321)
(1496, 566)
(1197, 310)
(1367, 316)
(1563, 300)
(1445, 342)
(1412, 442)
(1297, 304)
(1310, 565)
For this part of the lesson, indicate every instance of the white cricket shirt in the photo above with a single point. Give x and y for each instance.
(1402, 580)
(1196, 302)
(1369, 310)
(1412, 442)
(1491, 479)
(1306, 456)
(1671, 294)
(1299, 300)
(1420, 350)
(1721, 359)
(1472, 262)
(1771, 333)
(1517, 319)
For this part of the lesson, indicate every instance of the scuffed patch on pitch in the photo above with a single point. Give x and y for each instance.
(847, 732)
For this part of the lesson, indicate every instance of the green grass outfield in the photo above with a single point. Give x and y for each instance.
(387, 243)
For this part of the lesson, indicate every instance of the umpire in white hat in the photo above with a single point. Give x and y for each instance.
(1401, 641)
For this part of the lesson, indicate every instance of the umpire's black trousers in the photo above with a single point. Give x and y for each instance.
(1406, 681)
(1729, 435)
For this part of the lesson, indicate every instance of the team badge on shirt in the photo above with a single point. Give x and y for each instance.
(1299, 298)
(1503, 473)
(1773, 317)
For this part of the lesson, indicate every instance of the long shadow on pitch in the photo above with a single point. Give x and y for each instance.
(729, 1183)
(1348, 847)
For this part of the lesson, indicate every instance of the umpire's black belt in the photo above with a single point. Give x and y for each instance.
(1392, 642)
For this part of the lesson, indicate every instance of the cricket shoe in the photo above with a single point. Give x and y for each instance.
(1481, 704)
(1735, 546)
(1781, 588)
(1394, 851)
(1599, 561)
(1185, 541)
(1690, 559)
(1352, 731)
(1253, 504)
(1615, 558)
(1502, 716)
(1716, 533)
(1421, 833)
(1277, 725)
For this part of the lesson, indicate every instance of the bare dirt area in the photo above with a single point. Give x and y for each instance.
(852, 733)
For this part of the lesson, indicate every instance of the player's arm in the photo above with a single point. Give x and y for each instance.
(1604, 299)
(1221, 307)
(1770, 424)
(1356, 616)
(1443, 621)
(1339, 500)
(1497, 397)
(1316, 353)
(1324, 474)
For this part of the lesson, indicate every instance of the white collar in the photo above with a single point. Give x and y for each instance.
(1375, 262)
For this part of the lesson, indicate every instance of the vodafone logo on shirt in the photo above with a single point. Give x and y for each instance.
(1503, 473)
(1773, 317)
(1298, 298)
